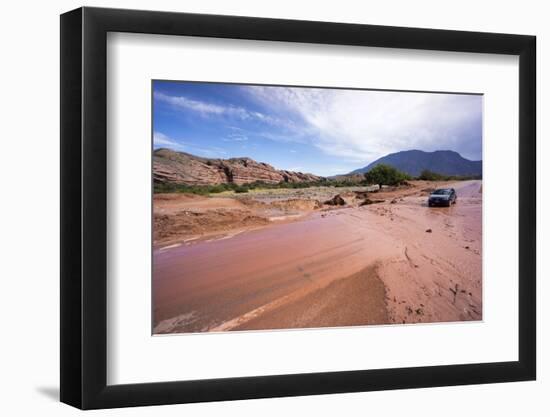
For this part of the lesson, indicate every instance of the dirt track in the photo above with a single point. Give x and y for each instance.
(374, 264)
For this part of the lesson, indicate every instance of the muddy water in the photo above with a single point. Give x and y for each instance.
(224, 279)
(367, 265)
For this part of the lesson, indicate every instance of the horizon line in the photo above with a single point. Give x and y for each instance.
(352, 172)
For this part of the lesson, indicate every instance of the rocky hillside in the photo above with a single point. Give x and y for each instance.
(183, 168)
(414, 162)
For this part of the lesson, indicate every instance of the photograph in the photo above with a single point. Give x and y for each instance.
(291, 207)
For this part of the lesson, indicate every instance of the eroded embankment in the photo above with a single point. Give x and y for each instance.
(352, 301)
(185, 217)
(359, 299)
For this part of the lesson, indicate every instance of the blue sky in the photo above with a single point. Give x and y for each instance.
(320, 131)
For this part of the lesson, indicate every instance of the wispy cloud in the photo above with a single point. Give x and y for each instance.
(211, 109)
(235, 137)
(161, 140)
(201, 107)
(208, 109)
(364, 125)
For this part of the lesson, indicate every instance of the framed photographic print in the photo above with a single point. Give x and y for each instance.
(258, 207)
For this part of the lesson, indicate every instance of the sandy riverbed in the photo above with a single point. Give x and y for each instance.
(285, 260)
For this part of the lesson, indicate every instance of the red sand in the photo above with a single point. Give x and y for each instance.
(374, 264)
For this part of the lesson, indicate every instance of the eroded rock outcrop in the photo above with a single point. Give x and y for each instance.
(183, 168)
(337, 200)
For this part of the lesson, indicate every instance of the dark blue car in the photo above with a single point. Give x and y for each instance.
(442, 197)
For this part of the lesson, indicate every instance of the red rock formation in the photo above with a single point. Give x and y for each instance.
(183, 168)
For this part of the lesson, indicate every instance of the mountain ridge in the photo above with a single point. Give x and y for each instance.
(414, 161)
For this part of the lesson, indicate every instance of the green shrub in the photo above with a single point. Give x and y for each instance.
(385, 175)
(428, 175)
(244, 188)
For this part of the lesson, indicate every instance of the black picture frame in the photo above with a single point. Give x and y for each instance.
(84, 207)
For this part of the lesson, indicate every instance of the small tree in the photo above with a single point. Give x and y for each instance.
(385, 175)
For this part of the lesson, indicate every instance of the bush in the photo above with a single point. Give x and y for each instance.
(428, 175)
(219, 188)
(385, 175)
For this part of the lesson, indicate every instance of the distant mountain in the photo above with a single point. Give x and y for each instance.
(414, 162)
(183, 168)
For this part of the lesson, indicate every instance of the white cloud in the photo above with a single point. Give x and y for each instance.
(161, 140)
(235, 137)
(364, 125)
(210, 109)
(202, 107)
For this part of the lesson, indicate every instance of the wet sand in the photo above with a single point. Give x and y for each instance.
(374, 264)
